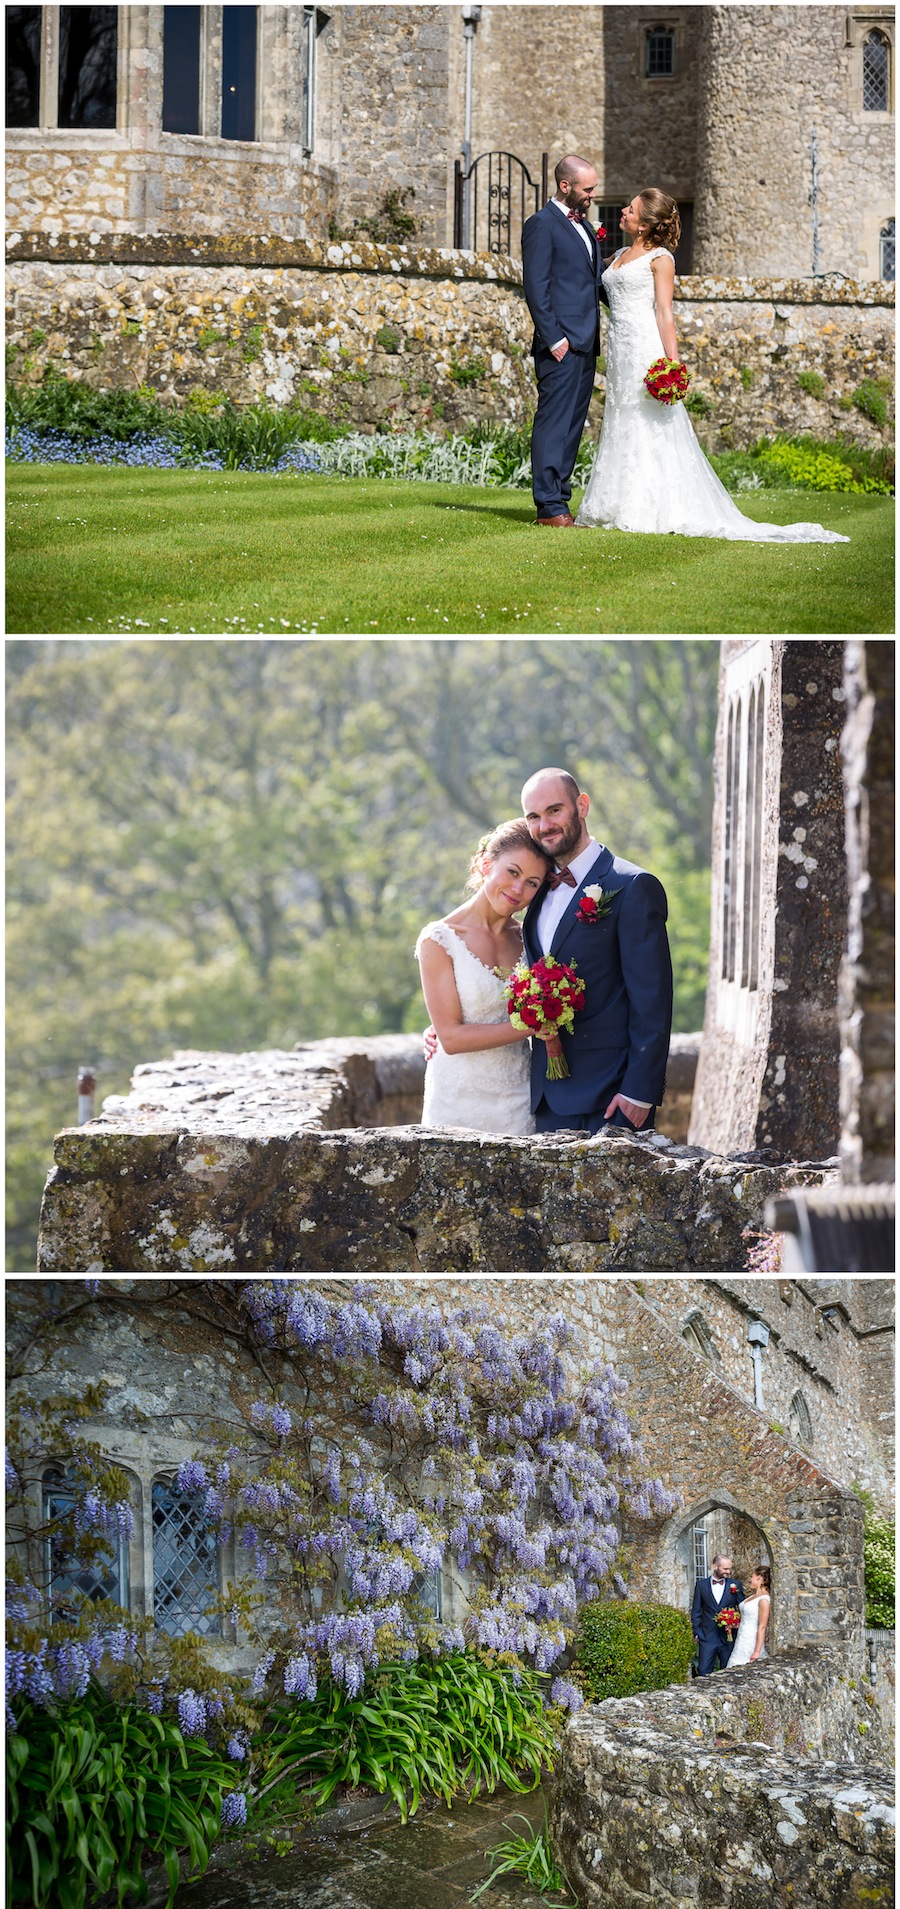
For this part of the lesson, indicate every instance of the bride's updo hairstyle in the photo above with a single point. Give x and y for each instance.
(510, 838)
(762, 1571)
(660, 218)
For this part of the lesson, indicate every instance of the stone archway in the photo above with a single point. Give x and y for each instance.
(729, 1528)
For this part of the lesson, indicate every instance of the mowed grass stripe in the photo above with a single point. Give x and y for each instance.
(96, 549)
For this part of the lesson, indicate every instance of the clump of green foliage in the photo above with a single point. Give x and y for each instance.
(880, 1565)
(94, 1791)
(464, 1722)
(812, 467)
(390, 224)
(811, 382)
(526, 1853)
(871, 397)
(622, 1648)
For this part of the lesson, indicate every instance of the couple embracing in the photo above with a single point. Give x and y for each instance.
(649, 473)
(584, 907)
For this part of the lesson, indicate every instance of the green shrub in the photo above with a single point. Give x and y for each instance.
(67, 404)
(389, 338)
(391, 224)
(880, 1566)
(812, 382)
(698, 405)
(93, 1790)
(254, 438)
(415, 1729)
(469, 373)
(870, 397)
(812, 467)
(622, 1648)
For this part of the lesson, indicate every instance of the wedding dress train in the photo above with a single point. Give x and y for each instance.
(649, 473)
(488, 1090)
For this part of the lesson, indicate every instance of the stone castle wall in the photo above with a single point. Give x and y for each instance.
(222, 1162)
(401, 336)
(770, 75)
(770, 1780)
(867, 980)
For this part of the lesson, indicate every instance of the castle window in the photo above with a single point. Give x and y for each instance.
(886, 251)
(239, 72)
(23, 66)
(185, 1563)
(660, 53)
(696, 1333)
(106, 1577)
(427, 1586)
(799, 1421)
(700, 1539)
(876, 73)
(88, 58)
(181, 70)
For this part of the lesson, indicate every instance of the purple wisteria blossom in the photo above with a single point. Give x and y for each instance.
(191, 1713)
(234, 1810)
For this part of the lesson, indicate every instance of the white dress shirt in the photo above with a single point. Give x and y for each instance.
(718, 1590)
(557, 900)
(579, 225)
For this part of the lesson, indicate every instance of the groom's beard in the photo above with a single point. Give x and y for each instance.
(567, 840)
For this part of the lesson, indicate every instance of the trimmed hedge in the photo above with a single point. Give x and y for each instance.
(622, 1648)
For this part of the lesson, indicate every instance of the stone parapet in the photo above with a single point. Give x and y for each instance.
(402, 336)
(254, 1162)
(758, 1780)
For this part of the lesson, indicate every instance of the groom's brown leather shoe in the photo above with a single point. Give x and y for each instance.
(562, 522)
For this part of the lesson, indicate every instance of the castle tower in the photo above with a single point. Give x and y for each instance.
(784, 87)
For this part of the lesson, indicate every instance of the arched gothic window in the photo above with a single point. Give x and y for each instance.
(876, 73)
(696, 1333)
(185, 1563)
(799, 1421)
(886, 251)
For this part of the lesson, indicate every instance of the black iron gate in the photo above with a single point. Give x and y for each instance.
(501, 196)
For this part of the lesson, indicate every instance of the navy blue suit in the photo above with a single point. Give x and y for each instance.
(715, 1644)
(620, 1042)
(562, 288)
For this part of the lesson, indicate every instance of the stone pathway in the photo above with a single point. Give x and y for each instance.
(432, 1862)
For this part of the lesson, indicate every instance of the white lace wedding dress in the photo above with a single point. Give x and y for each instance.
(489, 1089)
(649, 473)
(745, 1641)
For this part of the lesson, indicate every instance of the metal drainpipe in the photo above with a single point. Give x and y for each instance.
(471, 16)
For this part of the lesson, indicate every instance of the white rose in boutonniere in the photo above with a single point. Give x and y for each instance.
(595, 903)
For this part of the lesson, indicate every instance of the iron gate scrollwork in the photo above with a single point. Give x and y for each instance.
(499, 189)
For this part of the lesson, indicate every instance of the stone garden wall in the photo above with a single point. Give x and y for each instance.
(403, 336)
(763, 1784)
(222, 1162)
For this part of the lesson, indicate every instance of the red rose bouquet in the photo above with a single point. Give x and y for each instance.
(546, 996)
(667, 380)
(729, 1619)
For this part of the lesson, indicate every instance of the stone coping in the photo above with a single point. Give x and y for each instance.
(361, 255)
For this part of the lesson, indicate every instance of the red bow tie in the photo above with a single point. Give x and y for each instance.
(563, 875)
(574, 215)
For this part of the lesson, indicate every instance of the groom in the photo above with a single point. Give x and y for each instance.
(561, 274)
(618, 1049)
(718, 1592)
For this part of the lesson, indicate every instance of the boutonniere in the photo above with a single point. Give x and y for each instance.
(595, 903)
(599, 232)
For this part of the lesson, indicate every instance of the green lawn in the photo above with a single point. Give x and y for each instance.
(102, 550)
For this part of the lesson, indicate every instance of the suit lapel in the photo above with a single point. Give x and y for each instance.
(600, 867)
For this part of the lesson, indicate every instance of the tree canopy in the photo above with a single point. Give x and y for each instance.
(233, 843)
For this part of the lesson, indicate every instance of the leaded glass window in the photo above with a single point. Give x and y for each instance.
(886, 251)
(88, 55)
(239, 72)
(426, 1585)
(181, 70)
(107, 1577)
(799, 1421)
(23, 65)
(876, 73)
(185, 1563)
(660, 62)
(700, 1538)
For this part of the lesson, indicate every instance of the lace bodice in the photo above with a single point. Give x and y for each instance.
(489, 1089)
(649, 473)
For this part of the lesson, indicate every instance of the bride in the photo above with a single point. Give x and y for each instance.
(749, 1644)
(480, 1075)
(649, 473)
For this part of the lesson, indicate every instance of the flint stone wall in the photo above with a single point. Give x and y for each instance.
(219, 1162)
(866, 996)
(756, 1783)
(375, 335)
